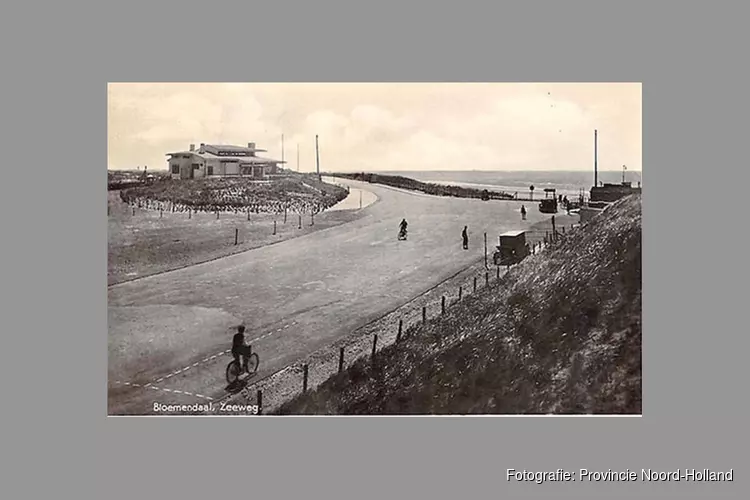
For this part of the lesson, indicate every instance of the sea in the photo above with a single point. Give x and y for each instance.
(567, 183)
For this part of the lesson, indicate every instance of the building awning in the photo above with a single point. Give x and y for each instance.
(247, 160)
(256, 160)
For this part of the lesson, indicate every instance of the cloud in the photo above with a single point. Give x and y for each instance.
(380, 126)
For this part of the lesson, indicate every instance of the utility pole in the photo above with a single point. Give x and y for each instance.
(317, 157)
(624, 168)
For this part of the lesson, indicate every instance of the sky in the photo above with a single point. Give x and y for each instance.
(383, 126)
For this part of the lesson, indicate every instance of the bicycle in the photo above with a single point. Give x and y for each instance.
(234, 370)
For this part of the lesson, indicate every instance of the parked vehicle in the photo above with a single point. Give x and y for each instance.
(512, 249)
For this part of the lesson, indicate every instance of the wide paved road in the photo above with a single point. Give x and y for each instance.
(168, 333)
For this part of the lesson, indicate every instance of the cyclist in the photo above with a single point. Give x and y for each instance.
(239, 348)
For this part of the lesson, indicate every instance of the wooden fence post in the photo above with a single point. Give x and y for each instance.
(341, 359)
(485, 250)
(442, 305)
(312, 219)
(300, 221)
(554, 230)
(274, 227)
(460, 292)
(236, 235)
(248, 213)
(498, 272)
(424, 314)
(217, 215)
(190, 213)
(374, 345)
(400, 329)
(260, 401)
(304, 378)
(284, 215)
(486, 279)
(475, 283)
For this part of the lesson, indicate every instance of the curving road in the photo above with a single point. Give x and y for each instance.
(168, 333)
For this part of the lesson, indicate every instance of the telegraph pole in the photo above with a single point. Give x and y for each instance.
(317, 156)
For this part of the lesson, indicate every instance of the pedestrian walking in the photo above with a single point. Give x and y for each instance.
(465, 236)
(523, 212)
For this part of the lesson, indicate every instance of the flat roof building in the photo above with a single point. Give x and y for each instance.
(221, 160)
(613, 192)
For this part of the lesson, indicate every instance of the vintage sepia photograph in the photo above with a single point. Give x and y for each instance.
(374, 249)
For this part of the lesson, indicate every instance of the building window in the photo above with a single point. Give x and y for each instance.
(210, 170)
(175, 169)
(196, 166)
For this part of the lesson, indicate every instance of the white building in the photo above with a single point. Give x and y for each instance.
(217, 160)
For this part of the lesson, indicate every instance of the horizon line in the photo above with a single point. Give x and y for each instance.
(619, 171)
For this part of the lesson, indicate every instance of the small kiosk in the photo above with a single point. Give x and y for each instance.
(549, 205)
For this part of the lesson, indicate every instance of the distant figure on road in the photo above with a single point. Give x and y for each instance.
(402, 230)
(523, 212)
(239, 348)
(465, 236)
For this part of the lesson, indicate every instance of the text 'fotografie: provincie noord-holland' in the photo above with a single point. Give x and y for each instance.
(688, 475)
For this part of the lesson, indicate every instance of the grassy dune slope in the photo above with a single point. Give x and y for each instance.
(560, 334)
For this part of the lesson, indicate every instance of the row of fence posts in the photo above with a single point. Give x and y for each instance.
(190, 214)
(554, 236)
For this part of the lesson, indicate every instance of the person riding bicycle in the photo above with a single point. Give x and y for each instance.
(239, 348)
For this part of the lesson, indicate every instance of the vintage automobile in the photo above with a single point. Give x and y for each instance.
(512, 249)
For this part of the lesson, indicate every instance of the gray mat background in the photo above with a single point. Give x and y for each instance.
(58, 59)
